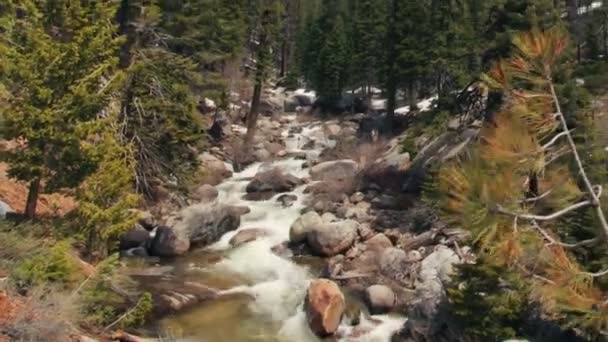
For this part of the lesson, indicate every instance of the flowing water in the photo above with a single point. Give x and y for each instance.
(263, 293)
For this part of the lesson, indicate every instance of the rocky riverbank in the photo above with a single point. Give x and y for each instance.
(311, 193)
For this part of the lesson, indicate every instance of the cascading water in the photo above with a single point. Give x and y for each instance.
(263, 293)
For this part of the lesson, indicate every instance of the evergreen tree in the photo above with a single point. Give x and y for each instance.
(57, 58)
(367, 37)
(158, 102)
(265, 28)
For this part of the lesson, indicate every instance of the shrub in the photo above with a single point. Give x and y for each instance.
(487, 302)
(54, 265)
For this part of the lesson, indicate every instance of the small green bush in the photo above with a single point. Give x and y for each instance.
(491, 305)
(48, 265)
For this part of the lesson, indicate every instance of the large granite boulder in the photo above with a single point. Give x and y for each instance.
(337, 170)
(324, 306)
(329, 239)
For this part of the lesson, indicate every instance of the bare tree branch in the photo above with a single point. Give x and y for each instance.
(549, 217)
(555, 139)
(595, 199)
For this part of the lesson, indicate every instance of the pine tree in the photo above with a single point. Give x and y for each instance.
(513, 215)
(158, 101)
(107, 194)
(57, 59)
(266, 26)
(367, 36)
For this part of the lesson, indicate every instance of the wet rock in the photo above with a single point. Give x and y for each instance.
(309, 145)
(247, 235)
(200, 225)
(134, 237)
(387, 202)
(273, 181)
(324, 305)
(287, 200)
(168, 243)
(214, 170)
(303, 225)
(171, 295)
(333, 238)
(291, 249)
(205, 193)
(380, 298)
(259, 196)
(338, 170)
(140, 252)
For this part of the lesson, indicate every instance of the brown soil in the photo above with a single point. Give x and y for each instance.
(14, 193)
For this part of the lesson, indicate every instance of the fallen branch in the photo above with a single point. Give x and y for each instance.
(123, 316)
(555, 138)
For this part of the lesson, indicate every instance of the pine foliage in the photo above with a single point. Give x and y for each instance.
(510, 191)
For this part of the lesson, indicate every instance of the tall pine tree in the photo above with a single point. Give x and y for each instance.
(57, 58)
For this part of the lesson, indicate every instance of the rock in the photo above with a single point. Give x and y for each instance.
(357, 197)
(359, 212)
(5, 209)
(147, 221)
(387, 202)
(200, 225)
(304, 100)
(338, 170)
(141, 252)
(240, 210)
(290, 105)
(134, 237)
(333, 238)
(324, 306)
(287, 200)
(247, 235)
(214, 170)
(304, 224)
(426, 315)
(269, 106)
(205, 193)
(273, 148)
(333, 130)
(168, 243)
(394, 264)
(281, 153)
(259, 196)
(365, 232)
(261, 155)
(273, 181)
(329, 218)
(380, 298)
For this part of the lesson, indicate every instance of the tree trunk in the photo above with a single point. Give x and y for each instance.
(252, 117)
(411, 95)
(32, 199)
(391, 84)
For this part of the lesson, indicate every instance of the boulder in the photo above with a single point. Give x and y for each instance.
(247, 235)
(290, 105)
(5, 209)
(427, 315)
(200, 225)
(168, 243)
(273, 147)
(269, 106)
(338, 170)
(324, 306)
(274, 181)
(333, 130)
(380, 298)
(304, 224)
(213, 169)
(135, 237)
(394, 264)
(287, 200)
(205, 193)
(262, 154)
(146, 220)
(329, 239)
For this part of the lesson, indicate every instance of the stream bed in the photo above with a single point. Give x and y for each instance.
(263, 293)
